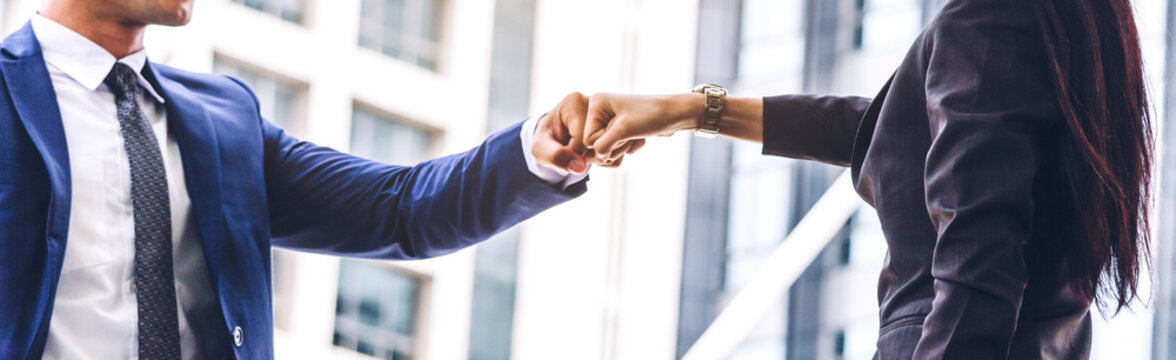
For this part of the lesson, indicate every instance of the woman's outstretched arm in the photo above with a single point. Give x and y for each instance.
(796, 126)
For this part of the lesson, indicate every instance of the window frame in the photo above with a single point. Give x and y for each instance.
(413, 44)
(434, 135)
(417, 341)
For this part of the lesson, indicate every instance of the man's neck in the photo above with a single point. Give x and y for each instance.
(119, 39)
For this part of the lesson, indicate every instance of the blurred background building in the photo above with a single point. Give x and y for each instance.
(640, 266)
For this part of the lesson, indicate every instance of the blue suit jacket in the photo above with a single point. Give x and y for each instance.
(252, 187)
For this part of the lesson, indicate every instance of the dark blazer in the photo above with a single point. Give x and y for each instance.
(959, 155)
(252, 187)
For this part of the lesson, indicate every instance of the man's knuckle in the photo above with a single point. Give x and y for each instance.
(574, 97)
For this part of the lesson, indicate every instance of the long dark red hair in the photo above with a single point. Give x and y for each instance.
(1093, 47)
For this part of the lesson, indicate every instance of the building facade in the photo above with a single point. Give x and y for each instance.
(638, 267)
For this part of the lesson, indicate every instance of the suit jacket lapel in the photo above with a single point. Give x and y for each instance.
(35, 101)
(189, 122)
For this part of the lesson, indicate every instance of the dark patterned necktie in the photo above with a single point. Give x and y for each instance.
(159, 334)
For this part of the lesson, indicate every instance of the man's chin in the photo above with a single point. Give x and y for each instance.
(180, 17)
(180, 22)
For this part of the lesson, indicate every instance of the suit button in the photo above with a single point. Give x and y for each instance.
(238, 337)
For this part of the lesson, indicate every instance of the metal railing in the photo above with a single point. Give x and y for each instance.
(814, 232)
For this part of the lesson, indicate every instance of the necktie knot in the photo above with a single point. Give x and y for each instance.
(122, 81)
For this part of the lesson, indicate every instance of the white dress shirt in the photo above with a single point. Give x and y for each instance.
(95, 314)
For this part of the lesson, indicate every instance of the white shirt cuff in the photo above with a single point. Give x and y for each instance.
(550, 175)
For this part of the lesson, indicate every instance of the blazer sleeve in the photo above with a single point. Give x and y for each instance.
(820, 128)
(324, 201)
(991, 110)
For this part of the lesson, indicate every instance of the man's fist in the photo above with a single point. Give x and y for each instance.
(559, 138)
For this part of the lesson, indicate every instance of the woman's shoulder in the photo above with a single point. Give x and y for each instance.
(987, 54)
(986, 19)
(979, 29)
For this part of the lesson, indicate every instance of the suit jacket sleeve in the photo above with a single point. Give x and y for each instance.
(324, 201)
(991, 109)
(820, 128)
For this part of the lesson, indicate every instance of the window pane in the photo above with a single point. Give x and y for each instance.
(285, 99)
(429, 20)
(289, 10)
(376, 309)
(383, 139)
(254, 4)
(405, 308)
(772, 39)
(393, 27)
(371, 24)
(283, 265)
(428, 35)
(394, 15)
(365, 348)
(369, 312)
(391, 45)
(404, 29)
(396, 355)
(858, 26)
(426, 62)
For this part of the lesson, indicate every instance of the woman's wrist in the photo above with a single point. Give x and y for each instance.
(685, 110)
(743, 118)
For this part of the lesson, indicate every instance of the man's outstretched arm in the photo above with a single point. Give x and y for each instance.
(325, 201)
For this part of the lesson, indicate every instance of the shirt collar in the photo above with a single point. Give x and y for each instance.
(82, 59)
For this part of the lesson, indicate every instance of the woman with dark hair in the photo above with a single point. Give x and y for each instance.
(1009, 159)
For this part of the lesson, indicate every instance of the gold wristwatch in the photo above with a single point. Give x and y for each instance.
(716, 102)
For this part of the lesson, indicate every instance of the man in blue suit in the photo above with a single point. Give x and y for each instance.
(139, 203)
